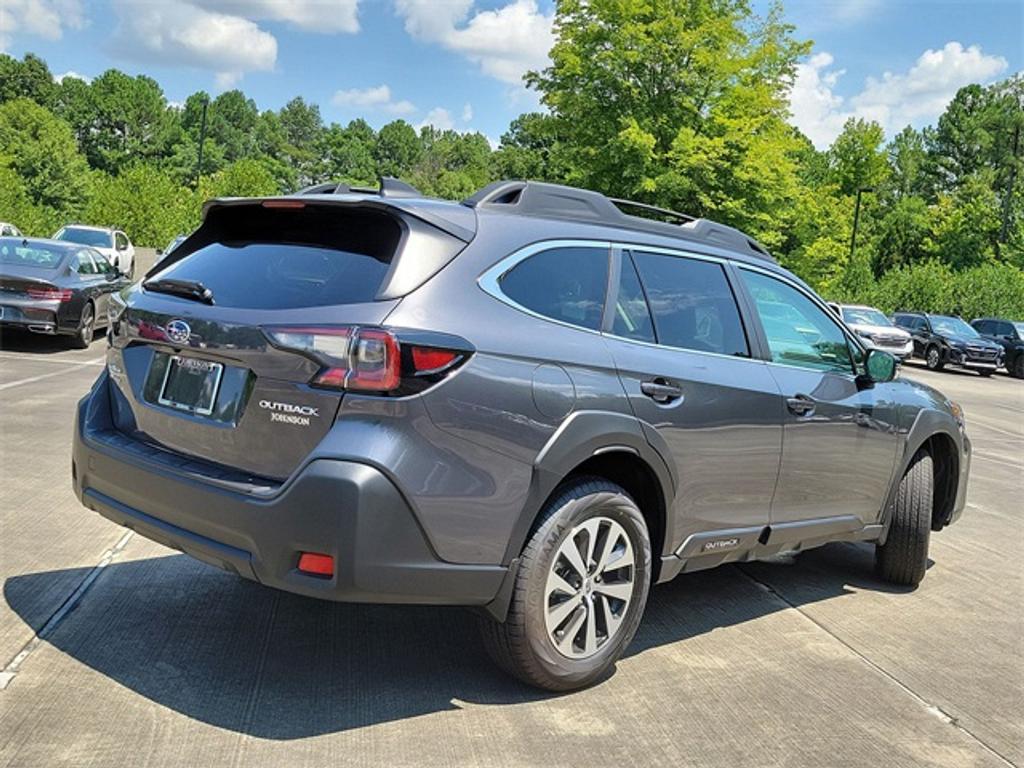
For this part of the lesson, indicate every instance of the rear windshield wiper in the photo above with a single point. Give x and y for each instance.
(187, 289)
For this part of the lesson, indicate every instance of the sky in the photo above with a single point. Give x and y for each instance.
(459, 63)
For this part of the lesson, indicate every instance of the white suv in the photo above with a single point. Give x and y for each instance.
(876, 330)
(112, 243)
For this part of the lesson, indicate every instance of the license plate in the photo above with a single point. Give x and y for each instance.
(191, 384)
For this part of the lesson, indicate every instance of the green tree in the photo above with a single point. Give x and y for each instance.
(127, 124)
(397, 150)
(148, 204)
(40, 148)
(908, 163)
(347, 153)
(680, 103)
(29, 78)
(856, 159)
(965, 223)
(532, 149)
(902, 233)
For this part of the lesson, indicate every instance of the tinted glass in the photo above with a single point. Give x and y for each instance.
(103, 266)
(122, 241)
(692, 304)
(94, 237)
(83, 264)
(281, 276)
(632, 315)
(566, 284)
(31, 255)
(799, 332)
(983, 326)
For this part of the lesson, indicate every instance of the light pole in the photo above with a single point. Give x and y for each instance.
(856, 219)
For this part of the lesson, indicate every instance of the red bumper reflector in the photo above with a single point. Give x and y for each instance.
(317, 564)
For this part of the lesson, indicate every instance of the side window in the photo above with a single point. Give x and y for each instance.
(566, 284)
(103, 266)
(632, 315)
(121, 241)
(1006, 329)
(83, 263)
(692, 304)
(799, 332)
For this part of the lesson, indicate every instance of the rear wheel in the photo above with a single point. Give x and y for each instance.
(904, 556)
(933, 358)
(86, 328)
(986, 374)
(580, 590)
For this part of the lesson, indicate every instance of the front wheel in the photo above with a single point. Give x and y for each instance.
(1018, 367)
(903, 558)
(985, 374)
(580, 590)
(933, 359)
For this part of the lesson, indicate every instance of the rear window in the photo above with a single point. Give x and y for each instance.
(257, 258)
(28, 254)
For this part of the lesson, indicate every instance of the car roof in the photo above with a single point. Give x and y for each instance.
(61, 245)
(93, 227)
(541, 201)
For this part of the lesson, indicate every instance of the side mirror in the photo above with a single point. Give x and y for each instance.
(880, 366)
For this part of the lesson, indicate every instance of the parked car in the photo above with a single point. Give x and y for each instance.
(112, 243)
(876, 331)
(54, 287)
(942, 340)
(532, 403)
(161, 255)
(1009, 335)
(9, 230)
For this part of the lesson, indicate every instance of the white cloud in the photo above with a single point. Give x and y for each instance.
(439, 118)
(504, 42)
(467, 112)
(73, 75)
(310, 15)
(43, 18)
(180, 33)
(895, 100)
(378, 98)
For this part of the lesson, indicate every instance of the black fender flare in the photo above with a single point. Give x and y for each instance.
(927, 423)
(581, 436)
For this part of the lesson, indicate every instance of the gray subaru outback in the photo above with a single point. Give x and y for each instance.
(537, 402)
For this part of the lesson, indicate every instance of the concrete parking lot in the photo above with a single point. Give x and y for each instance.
(118, 652)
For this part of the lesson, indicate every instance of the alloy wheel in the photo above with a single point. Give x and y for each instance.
(933, 357)
(589, 587)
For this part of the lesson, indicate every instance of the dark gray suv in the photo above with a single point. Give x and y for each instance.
(537, 402)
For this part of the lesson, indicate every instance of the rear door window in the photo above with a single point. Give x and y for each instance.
(286, 259)
(564, 284)
(692, 304)
(632, 318)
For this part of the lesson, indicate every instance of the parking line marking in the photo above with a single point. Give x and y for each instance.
(42, 376)
(51, 360)
(8, 673)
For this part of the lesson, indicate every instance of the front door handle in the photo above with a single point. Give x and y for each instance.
(661, 390)
(801, 405)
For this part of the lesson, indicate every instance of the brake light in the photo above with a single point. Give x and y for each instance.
(294, 204)
(364, 358)
(50, 294)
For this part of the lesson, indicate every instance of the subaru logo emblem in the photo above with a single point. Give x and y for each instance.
(178, 331)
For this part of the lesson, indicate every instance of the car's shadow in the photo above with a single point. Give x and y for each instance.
(273, 665)
(15, 340)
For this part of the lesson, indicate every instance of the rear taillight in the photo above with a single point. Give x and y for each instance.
(50, 294)
(367, 359)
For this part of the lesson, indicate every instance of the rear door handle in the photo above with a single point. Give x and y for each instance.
(801, 405)
(661, 390)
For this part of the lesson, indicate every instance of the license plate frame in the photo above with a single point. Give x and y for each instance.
(206, 367)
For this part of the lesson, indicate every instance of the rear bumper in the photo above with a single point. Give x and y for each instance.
(349, 510)
(38, 317)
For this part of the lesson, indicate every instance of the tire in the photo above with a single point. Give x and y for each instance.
(524, 645)
(903, 558)
(985, 374)
(933, 358)
(1018, 367)
(86, 328)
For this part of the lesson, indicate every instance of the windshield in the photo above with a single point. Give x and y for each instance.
(97, 238)
(952, 326)
(30, 254)
(864, 316)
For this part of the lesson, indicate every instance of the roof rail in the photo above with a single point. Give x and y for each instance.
(534, 198)
(389, 187)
